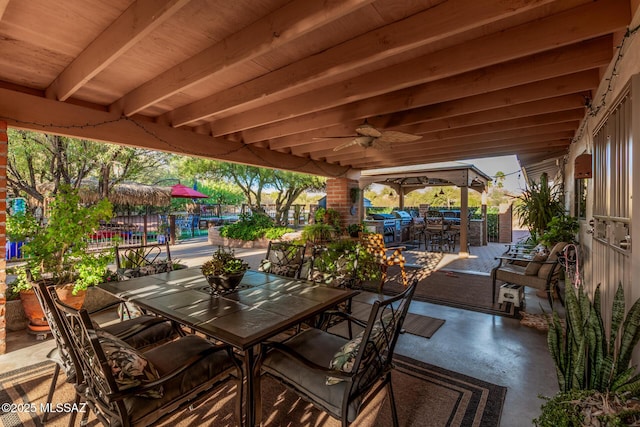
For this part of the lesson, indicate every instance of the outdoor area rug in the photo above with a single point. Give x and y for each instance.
(423, 326)
(425, 395)
(467, 291)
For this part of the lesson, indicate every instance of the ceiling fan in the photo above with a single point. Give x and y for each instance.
(369, 136)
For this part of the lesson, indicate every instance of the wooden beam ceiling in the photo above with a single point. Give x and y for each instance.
(266, 82)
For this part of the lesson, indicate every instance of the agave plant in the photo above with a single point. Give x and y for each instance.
(585, 358)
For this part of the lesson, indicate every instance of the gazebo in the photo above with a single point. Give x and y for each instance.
(407, 179)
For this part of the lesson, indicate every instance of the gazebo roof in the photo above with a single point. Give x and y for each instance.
(430, 175)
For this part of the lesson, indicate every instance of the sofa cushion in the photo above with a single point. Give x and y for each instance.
(318, 347)
(544, 271)
(166, 358)
(515, 274)
(534, 265)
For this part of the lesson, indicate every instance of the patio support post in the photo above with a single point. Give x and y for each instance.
(339, 198)
(464, 222)
(485, 225)
(4, 147)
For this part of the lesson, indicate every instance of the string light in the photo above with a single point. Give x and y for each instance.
(593, 111)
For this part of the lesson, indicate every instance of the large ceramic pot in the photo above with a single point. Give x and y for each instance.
(33, 310)
(226, 283)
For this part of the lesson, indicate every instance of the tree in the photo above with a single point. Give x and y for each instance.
(252, 181)
(36, 158)
(290, 185)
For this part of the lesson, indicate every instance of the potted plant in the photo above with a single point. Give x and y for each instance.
(538, 205)
(58, 253)
(598, 385)
(224, 271)
(354, 230)
(561, 228)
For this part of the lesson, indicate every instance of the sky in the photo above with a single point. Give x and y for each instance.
(514, 181)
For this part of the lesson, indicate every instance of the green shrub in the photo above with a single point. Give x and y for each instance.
(317, 233)
(253, 227)
(274, 233)
(562, 228)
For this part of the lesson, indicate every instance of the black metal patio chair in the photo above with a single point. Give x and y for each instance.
(338, 375)
(125, 387)
(283, 259)
(141, 333)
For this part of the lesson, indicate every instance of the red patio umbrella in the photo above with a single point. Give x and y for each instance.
(183, 191)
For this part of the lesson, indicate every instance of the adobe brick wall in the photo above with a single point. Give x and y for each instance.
(3, 236)
(339, 198)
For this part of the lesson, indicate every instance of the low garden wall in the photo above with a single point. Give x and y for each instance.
(17, 320)
(216, 239)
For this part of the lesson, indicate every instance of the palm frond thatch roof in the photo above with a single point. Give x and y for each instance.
(124, 193)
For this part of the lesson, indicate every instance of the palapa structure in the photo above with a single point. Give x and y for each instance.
(124, 193)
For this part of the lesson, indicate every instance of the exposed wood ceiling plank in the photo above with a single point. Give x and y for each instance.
(445, 20)
(535, 149)
(440, 145)
(575, 103)
(562, 29)
(142, 17)
(558, 62)
(524, 142)
(3, 7)
(541, 90)
(30, 112)
(479, 109)
(284, 25)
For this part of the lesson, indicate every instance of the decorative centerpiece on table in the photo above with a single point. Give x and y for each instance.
(224, 271)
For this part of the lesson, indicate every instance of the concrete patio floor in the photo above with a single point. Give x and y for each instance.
(492, 348)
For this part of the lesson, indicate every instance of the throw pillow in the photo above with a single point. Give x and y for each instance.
(534, 265)
(129, 367)
(345, 357)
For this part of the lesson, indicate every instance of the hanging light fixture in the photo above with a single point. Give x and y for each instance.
(441, 192)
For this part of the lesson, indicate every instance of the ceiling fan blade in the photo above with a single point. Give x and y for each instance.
(364, 141)
(393, 136)
(366, 129)
(380, 144)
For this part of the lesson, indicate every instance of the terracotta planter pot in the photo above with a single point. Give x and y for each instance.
(33, 311)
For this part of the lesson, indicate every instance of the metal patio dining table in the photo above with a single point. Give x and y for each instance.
(262, 306)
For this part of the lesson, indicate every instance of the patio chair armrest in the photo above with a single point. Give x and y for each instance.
(105, 307)
(511, 259)
(346, 316)
(136, 329)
